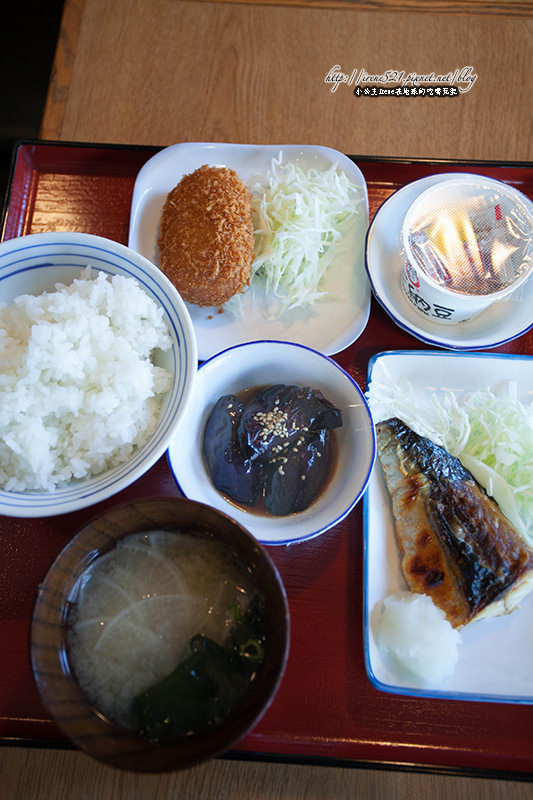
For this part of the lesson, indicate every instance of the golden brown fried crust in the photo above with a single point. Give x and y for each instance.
(206, 245)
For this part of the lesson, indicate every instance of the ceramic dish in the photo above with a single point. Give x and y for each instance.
(495, 654)
(333, 323)
(503, 321)
(34, 264)
(259, 364)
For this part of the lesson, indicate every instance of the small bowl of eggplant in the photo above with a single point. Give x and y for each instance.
(279, 437)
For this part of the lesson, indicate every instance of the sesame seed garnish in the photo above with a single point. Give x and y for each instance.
(273, 422)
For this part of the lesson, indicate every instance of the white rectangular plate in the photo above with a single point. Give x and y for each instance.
(334, 322)
(496, 655)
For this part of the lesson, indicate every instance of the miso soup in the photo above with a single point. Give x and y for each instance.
(166, 633)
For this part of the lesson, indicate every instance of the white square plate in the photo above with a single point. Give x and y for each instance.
(496, 655)
(333, 323)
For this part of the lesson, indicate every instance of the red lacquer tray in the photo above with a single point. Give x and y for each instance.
(326, 709)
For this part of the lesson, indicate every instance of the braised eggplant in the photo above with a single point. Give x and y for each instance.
(294, 480)
(272, 446)
(278, 415)
(232, 472)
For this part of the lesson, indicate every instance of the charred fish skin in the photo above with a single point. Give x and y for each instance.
(456, 544)
(427, 457)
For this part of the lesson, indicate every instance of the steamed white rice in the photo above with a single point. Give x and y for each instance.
(78, 390)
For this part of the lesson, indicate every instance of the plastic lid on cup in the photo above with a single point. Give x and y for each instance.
(472, 235)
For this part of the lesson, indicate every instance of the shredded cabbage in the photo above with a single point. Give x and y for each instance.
(299, 219)
(491, 434)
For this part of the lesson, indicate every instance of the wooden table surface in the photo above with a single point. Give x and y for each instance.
(162, 71)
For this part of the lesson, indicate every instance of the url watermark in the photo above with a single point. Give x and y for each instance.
(400, 83)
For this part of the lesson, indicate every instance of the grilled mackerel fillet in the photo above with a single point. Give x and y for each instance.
(455, 543)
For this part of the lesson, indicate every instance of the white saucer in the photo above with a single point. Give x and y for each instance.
(500, 323)
(333, 323)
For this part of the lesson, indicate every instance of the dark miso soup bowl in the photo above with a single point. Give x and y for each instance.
(83, 724)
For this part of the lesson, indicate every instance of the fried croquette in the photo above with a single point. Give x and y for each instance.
(206, 244)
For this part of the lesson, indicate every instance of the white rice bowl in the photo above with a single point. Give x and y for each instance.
(98, 360)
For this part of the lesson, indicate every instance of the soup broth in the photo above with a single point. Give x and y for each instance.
(165, 633)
